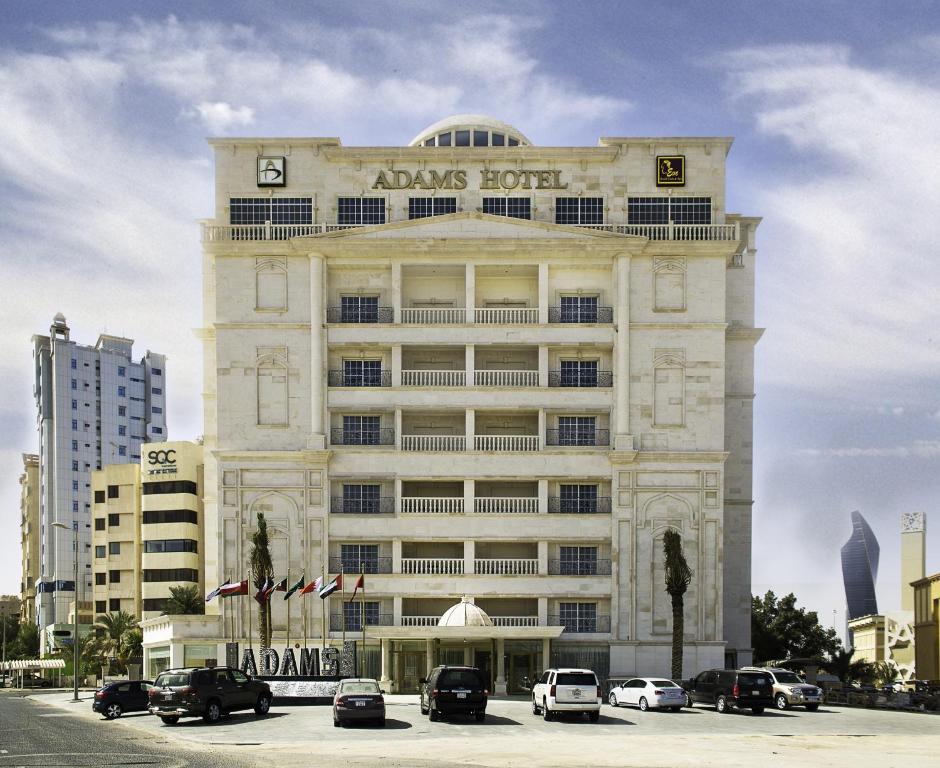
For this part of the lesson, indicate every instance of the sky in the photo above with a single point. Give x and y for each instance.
(834, 108)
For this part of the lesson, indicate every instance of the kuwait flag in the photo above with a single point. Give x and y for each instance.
(298, 585)
(234, 588)
(360, 584)
(263, 589)
(281, 586)
(313, 586)
(213, 594)
(330, 587)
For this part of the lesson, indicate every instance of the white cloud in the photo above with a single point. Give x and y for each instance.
(922, 449)
(220, 116)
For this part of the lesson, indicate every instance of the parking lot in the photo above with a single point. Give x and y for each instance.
(512, 735)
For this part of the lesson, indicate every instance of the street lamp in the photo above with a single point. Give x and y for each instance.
(74, 530)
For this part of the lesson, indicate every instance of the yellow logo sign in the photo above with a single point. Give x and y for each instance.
(670, 171)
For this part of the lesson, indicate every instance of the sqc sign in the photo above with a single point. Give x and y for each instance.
(161, 461)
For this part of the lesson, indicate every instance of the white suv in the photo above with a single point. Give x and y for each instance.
(567, 690)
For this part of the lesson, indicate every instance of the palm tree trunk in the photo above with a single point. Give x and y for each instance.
(678, 631)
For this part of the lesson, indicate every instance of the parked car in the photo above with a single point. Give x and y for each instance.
(35, 681)
(114, 699)
(206, 693)
(358, 698)
(567, 690)
(454, 690)
(790, 690)
(728, 689)
(648, 693)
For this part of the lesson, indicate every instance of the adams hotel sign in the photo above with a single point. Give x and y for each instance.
(457, 179)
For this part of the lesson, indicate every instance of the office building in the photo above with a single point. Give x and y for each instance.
(927, 626)
(29, 536)
(859, 572)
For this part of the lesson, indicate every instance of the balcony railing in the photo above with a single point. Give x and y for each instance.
(432, 505)
(370, 315)
(506, 315)
(433, 378)
(354, 622)
(581, 315)
(361, 379)
(581, 624)
(341, 436)
(216, 233)
(433, 315)
(506, 566)
(579, 568)
(596, 506)
(381, 506)
(434, 443)
(670, 231)
(576, 438)
(420, 621)
(498, 505)
(506, 378)
(515, 621)
(368, 565)
(580, 379)
(506, 443)
(432, 566)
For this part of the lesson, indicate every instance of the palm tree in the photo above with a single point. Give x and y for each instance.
(261, 571)
(132, 646)
(678, 577)
(841, 665)
(111, 629)
(184, 601)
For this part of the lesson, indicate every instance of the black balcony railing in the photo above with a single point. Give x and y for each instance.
(360, 315)
(581, 378)
(381, 378)
(596, 506)
(381, 506)
(581, 624)
(580, 315)
(354, 622)
(578, 438)
(340, 436)
(363, 565)
(579, 567)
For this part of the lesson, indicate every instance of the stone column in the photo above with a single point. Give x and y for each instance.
(470, 364)
(469, 495)
(546, 652)
(470, 427)
(386, 663)
(500, 667)
(543, 612)
(543, 557)
(396, 605)
(398, 429)
(396, 292)
(317, 439)
(543, 366)
(469, 556)
(396, 560)
(396, 365)
(623, 441)
(467, 655)
(543, 293)
(429, 651)
(470, 293)
(543, 425)
(543, 497)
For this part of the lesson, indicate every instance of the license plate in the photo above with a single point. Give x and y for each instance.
(461, 695)
(167, 695)
(755, 693)
(360, 703)
(577, 693)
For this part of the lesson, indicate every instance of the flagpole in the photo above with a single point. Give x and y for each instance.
(250, 644)
(342, 585)
(323, 638)
(362, 621)
(287, 584)
(303, 615)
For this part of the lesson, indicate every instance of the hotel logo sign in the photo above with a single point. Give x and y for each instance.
(162, 462)
(670, 171)
(272, 171)
(457, 179)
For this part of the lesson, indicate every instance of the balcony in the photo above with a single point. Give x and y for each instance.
(432, 566)
(499, 378)
(420, 621)
(506, 443)
(581, 625)
(382, 378)
(354, 621)
(670, 231)
(369, 565)
(384, 505)
(365, 437)
(506, 315)
(372, 315)
(515, 621)
(500, 505)
(506, 567)
(584, 378)
(596, 506)
(604, 315)
(435, 443)
(432, 505)
(433, 315)
(579, 568)
(567, 438)
(433, 378)
(220, 233)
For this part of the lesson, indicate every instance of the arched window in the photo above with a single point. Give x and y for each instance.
(669, 284)
(273, 400)
(271, 284)
(669, 388)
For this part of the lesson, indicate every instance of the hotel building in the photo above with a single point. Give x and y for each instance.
(29, 536)
(480, 370)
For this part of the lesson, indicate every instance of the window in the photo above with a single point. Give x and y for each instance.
(99, 523)
(461, 138)
(158, 430)
(578, 617)
(75, 465)
(361, 498)
(660, 210)
(75, 445)
(114, 604)
(361, 430)
(122, 371)
(74, 405)
(272, 393)
(75, 485)
(74, 506)
(361, 558)
(361, 210)
(101, 606)
(114, 577)
(171, 574)
(114, 547)
(122, 392)
(171, 486)
(277, 210)
(99, 550)
(122, 430)
(100, 579)
(421, 207)
(578, 561)
(669, 284)
(74, 422)
(156, 391)
(122, 450)
(122, 410)
(359, 309)
(170, 545)
(576, 430)
(513, 207)
(74, 384)
(156, 409)
(270, 284)
(578, 498)
(99, 497)
(353, 614)
(481, 138)
(74, 364)
(155, 516)
(579, 309)
(579, 373)
(114, 519)
(114, 491)
(668, 391)
(156, 371)
(362, 373)
(579, 210)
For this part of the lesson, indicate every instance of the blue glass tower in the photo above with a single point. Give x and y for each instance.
(859, 571)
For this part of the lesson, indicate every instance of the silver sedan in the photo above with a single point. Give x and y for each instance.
(648, 693)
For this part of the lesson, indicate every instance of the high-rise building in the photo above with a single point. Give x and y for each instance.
(859, 571)
(476, 369)
(95, 406)
(29, 536)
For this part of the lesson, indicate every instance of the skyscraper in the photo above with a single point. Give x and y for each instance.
(859, 571)
(95, 406)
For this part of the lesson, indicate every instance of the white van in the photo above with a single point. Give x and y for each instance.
(567, 690)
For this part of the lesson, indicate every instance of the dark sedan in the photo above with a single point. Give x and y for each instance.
(114, 699)
(357, 699)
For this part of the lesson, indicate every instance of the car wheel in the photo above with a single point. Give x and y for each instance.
(480, 715)
(535, 707)
(757, 710)
(594, 716)
(263, 705)
(688, 700)
(213, 712)
(113, 711)
(721, 705)
(170, 720)
(644, 704)
(781, 701)
(336, 723)
(812, 707)
(676, 709)
(433, 714)
(381, 723)
(612, 699)
(546, 712)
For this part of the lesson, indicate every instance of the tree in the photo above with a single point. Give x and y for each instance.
(112, 629)
(841, 665)
(884, 673)
(780, 630)
(25, 644)
(261, 571)
(678, 577)
(184, 601)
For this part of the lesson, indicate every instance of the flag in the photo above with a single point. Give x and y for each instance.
(213, 594)
(269, 590)
(298, 585)
(281, 586)
(262, 592)
(330, 587)
(360, 584)
(234, 588)
(313, 586)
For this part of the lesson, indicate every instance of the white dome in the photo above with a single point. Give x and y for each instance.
(59, 319)
(512, 136)
(465, 614)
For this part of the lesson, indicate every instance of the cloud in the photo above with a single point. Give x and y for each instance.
(922, 449)
(220, 116)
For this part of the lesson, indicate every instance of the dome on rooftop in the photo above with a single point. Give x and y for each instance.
(465, 614)
(59, 319)
(470, 131)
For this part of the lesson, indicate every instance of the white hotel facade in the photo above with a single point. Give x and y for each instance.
(475, 367)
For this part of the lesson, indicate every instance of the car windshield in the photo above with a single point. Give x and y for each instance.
(359, 687)
(459, 678)
(576, 678)
(172, 679)
(752, 679)
(787, 677)
(664, 684)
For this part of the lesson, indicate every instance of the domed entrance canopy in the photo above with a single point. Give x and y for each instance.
(465, 614)
(470, 131)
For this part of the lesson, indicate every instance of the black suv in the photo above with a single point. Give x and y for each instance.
(727, 689)
(449, 690)
(209, 693)
(114, 699)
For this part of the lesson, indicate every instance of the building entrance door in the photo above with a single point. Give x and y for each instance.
(483, 660)
(412, 670)
(521, 666)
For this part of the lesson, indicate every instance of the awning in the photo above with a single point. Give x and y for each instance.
(30, 664)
